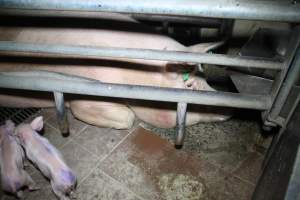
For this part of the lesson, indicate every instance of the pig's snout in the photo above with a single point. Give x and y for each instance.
(69, 180)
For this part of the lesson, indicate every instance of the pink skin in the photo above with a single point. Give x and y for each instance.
(47, 158)
(103, 112)
(14, 177)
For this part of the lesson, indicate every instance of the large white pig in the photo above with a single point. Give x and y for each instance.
(106, 112)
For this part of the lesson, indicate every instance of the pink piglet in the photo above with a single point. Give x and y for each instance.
(47, 158)
(14, 177)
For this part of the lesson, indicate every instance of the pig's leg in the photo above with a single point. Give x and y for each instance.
(73, 195)
(58, 192)
(30, 183)
(103, 114)
(20, 195)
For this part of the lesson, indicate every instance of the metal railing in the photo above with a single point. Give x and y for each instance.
(287, 11)
(62, 83)
(146, 54)
(52, 81)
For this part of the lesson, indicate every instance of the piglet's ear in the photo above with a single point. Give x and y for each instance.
(37, 124)
(10, 125)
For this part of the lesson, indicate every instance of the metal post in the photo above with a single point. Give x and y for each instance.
(232, 9)
(292, 76)
(180, 124)
(174, 56)
(61, 114)
(274, 120)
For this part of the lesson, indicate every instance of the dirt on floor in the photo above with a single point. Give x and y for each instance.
(217, 161)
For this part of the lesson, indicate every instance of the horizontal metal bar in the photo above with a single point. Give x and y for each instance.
(232, 9)
(203, 22)
(50, 81)
(174, 56)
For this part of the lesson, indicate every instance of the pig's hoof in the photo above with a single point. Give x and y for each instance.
(33, 188)
(73, 195)
(20, 195)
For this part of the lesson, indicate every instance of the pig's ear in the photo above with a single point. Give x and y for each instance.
(37, 124)
(204, 47)
(10, 125)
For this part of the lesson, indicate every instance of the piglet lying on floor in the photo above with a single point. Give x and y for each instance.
(47, 158)
(14, 178)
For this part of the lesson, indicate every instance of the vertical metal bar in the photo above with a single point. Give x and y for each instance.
(292, 191)
(290, 53)
(270, 120)
(62, 118)
(180, 124)
(286, 87)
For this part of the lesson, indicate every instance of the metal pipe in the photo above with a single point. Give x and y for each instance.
(232, 9)
(174, 56)
(203, 22)
(274, 120)
(50, 81)
(292, 76)
(292, 46)
(180, 124)
(61, 114)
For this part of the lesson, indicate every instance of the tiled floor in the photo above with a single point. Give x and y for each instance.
(217, 162)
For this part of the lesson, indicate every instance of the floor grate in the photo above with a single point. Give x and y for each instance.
(17, 115)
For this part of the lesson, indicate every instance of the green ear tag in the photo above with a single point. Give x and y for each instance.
(185, 76)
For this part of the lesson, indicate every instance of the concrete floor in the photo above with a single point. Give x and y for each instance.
(218, 161)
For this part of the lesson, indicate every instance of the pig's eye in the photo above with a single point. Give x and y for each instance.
(189, 85)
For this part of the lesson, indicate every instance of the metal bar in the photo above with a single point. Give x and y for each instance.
(294, 41)
(292, 76)
(203, 22)
(174, 56)
(292, 46)
(292, 191)
(62, 117)
(50, 81)
(180, 124)
(232, 9)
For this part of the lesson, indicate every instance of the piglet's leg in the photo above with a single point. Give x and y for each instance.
(20, 195)
(30, 183)
(73, 195)
(58, 192)
(26, 165)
